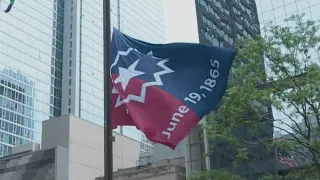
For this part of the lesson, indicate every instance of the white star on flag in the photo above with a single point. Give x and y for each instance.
(125, 76)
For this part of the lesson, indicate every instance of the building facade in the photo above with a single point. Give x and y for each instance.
(31, 49)
(222, 22)
(16, 110)
(61, 155)
(167, 169)
(277, 11)
(83, 55)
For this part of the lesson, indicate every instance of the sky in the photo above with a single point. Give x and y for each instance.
(180, 21)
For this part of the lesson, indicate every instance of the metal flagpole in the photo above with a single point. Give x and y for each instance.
(119, 28)
(108, 158)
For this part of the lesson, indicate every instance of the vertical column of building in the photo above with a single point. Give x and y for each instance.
(194, 152)
(57, 59)
(71, 58)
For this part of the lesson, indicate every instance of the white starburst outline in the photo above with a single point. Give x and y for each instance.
(156, 75)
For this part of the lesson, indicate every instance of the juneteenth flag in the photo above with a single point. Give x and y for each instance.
(9, 6)
(165, 89)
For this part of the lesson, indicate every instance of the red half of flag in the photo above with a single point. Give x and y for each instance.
(163, 118)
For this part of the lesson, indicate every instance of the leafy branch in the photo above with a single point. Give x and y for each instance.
(286, 84)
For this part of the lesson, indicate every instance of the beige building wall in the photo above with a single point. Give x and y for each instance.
(169, 169)
(84, 141)
(165, 172)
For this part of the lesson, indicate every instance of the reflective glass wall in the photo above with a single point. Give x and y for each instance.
(277, 11)
(30, 69)
(16, 110)
(142, 19)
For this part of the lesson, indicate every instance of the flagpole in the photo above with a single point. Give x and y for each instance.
(108, 157)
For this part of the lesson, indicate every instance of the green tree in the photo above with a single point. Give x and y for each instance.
(290, 83)
(310, 173)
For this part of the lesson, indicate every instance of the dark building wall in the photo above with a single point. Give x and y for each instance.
(222, 23)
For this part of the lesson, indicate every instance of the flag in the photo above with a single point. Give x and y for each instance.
(10, 6)
(287, 160)
(165, 89)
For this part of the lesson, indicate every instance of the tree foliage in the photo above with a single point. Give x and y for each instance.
(288, 80)
(310, 173)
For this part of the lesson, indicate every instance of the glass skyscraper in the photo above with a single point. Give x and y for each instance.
(51, 60)
(276, 11)
(31, 49)
(144, 20)
(16, 110)
(83, 52)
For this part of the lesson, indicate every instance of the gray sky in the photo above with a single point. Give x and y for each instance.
(180, 21)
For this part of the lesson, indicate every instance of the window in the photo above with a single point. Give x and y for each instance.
(52, 71)
(52, 61)
(3, 113)
(14, 141)
(2, 124)
(14, 129)
(69, 101)
(69, 82)
(25, 133)
(1, 137)
(15, 118)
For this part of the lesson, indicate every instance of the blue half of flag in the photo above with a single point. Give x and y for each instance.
(165, 89)
(9, 6)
